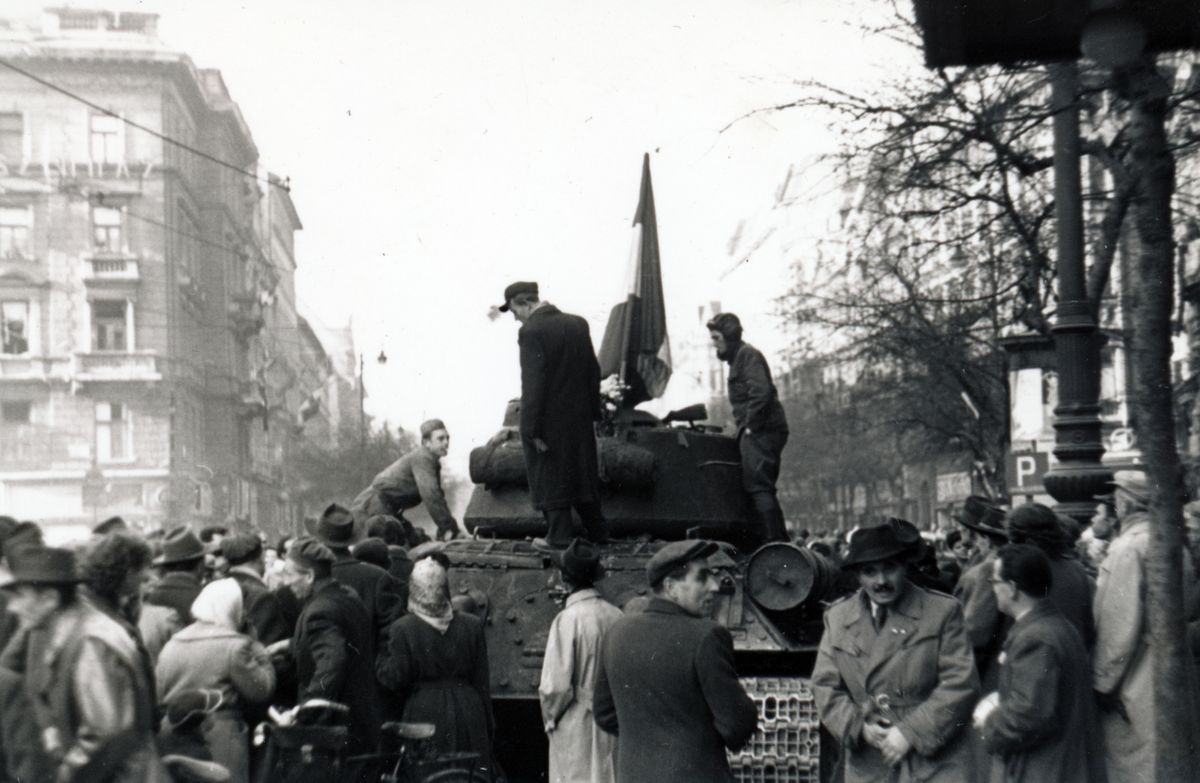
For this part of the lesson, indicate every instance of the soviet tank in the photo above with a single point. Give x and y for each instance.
(662, 480)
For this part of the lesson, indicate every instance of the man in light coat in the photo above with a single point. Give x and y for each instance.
(981, 617)
(1041, 723)
(580, 751)
(894, 678)
(667, 686)
(1122, 661)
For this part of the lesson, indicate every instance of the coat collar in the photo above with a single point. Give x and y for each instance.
(658, 605)
(579, 596)
(547, 309)
(910, 606)
(1043, 609)
(246, 570)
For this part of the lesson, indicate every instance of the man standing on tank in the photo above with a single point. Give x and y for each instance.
(762, 429)
(560, 403)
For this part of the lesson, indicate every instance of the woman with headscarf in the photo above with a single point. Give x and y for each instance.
(435, 661)
(214, 653)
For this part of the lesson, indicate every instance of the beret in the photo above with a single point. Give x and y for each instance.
(675, 554)
(241, 547)
(308, 552)
(371, 550)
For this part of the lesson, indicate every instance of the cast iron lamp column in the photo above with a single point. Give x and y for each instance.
(1079, 475)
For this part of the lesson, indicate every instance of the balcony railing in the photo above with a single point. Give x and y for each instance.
(104, 268)
(33, 368)
(118, 367)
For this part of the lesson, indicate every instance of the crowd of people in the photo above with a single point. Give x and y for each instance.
(131, 657)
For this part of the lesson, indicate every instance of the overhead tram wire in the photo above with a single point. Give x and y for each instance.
(282, 185)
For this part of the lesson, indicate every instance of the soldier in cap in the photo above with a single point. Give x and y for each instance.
(894, 677)
(560, 404)
(762, 428)
(413, 479)
(666, 685)
(580, 752)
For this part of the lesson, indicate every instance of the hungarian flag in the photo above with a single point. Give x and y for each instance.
(635, 343)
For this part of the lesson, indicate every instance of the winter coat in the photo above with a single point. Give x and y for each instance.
(1122, 661)
(205, 655)
(21, 756)
(667, 688)
(378, 590)
(92, 689)
(157, 624)
(752, 393)
(580, 751)
(560, 402)
(334, 651)
(1045, 727)
(981, 617)
(260, 606)
(442, 678)
(1072, 592)
(176, 590)
(921, 661)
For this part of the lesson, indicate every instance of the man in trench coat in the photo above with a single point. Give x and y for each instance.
(1042, 721)
(894, 678)
(667, 686)
(560, 403)
(580, 751)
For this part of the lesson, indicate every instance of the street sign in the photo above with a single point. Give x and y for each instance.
(1025, 472)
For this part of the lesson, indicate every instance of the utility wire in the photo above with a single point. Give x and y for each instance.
(284, 186)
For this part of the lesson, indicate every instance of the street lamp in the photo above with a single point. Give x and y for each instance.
(362, 410)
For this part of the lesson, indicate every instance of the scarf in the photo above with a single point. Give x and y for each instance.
(429, 594)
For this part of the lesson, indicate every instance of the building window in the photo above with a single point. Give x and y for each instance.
(12, 137)
(14, 232)
(114, 434)
(106, 229)
(16, 412)
(107, 139)
(109, 326)
(14, 328)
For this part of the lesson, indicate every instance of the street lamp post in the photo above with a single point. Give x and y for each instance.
(362, 414)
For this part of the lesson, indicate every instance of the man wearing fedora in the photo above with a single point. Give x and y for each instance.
(378, 590)
(182, 566)
(1122, 661)
(984, 520)
(413, 479)
(87, 679)
(666, 685)
(894, 679)
(560, 404)
(580, 751)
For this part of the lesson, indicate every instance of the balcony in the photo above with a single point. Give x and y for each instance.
(246, 316)
(110, 269)
(117, 367)
(34, 368)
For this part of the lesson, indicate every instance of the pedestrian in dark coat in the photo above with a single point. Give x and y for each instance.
(894, 678)
(1071, 589)
(666, 684)
(379, 591)
(261, 607)
(182, 564)
(1042, 722)
(436, 662)
(762, 428)
(560, 403)
(984, 623)
(21, 756)
(334, 643)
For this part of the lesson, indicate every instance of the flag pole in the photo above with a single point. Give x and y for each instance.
(627, 326)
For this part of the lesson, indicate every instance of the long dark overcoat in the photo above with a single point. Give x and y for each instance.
(1046, 726)
(379, 591)
(920, 660)
(560, 401)
(1072, 592)
(667, 687)
(334, 650)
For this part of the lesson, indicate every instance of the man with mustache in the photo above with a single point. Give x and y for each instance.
(894, 680)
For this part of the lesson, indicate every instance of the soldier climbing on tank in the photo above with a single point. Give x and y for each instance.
(762, 429)
(411, 480)
(560, 403)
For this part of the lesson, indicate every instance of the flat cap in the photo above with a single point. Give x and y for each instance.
(371, 550)
(675, 554)
(240, 547)
(515, 290)
(1134, 483)
(309, 553)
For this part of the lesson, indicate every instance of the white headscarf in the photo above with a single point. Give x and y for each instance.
(219, 603)
(429, 594)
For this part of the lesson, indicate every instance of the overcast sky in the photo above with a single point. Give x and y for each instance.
(439, 150)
